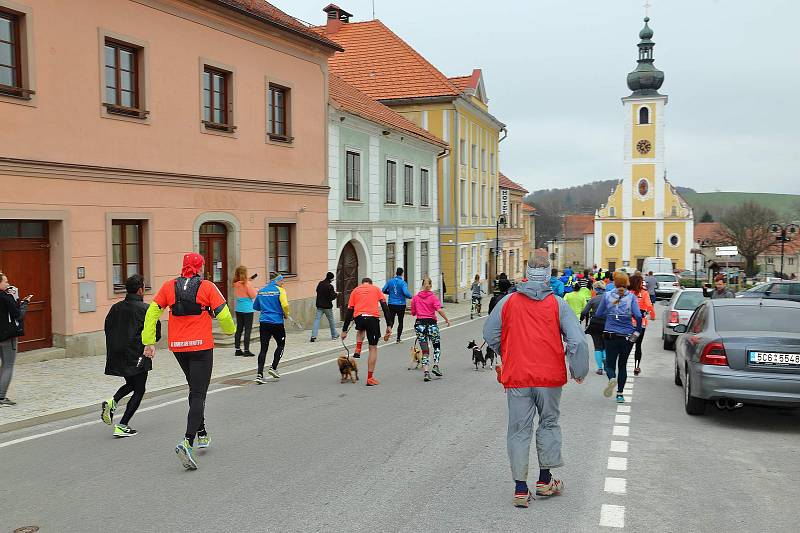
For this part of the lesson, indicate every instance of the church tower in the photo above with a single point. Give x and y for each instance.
(644, 215)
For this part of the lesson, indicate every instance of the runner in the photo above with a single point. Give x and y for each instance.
(646, 307)
(192, 302)
(556, 285)
(365, 305)
(397, 289)
(477, 292)
(596, 325)
(274, 306)
(245, 292)
(424, 306)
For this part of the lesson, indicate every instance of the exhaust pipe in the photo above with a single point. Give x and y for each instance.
(721, 404)
(728, 404)
(733, 405)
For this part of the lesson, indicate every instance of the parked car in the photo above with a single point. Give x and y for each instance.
(679, 310)
(740, 350)
(656, 264)
(689, 274)
(668, 284)
(777, 290)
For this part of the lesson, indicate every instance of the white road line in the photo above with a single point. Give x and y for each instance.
(616, 485)
(619, 446)
(617, 463)
(623, 408)
(621, 431)
(622, 419)
(612, 515)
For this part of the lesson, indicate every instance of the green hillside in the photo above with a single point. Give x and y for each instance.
(716, 202)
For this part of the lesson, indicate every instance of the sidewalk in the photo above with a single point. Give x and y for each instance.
(60, 388)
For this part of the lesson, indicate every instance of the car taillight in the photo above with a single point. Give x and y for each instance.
(714, 354)
(673, 317)
(676, 284)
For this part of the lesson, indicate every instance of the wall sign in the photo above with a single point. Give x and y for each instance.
(503, 201)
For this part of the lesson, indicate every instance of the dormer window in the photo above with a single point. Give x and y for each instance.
(644, 115)
(612, 212)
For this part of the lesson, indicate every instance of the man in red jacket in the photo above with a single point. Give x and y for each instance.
(529, 330)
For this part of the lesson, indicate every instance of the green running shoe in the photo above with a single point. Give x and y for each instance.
(121, 430)
(186, 454)
(203, 441)
(107, 411)
(436, 371)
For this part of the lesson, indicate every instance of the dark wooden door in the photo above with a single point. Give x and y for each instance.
(407, 251)
(346, 276)
(214, 249)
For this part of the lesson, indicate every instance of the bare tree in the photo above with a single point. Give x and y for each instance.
(747, 227)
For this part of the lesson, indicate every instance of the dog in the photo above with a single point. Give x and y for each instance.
(477, 355)
(416, 357)
(348, 368)
(490, 355)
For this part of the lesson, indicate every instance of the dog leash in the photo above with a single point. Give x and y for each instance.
(347, 350)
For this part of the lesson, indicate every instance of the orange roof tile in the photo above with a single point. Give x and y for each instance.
(467, 82)
(348, 98)
(506, 183)
(708, 232)
(528, 208)
(576, 226)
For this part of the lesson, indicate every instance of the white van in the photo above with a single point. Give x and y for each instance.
(656, 264)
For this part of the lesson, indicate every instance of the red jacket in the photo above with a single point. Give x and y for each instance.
(532, 349)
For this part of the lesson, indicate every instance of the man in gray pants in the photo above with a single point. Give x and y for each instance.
(529, 331)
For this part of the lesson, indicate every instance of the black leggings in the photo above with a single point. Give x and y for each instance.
(398, 311)
(266, 331)
(637, 355)
(133, 384)
(244, 322)
(196, 367)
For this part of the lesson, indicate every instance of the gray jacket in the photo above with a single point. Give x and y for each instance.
(575, 344)
(651, 283)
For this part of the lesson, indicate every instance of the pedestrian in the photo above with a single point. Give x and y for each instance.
(620, 308)
(646, 307)
(596, 325)
(651, 284)
(529, 330)
(245, 293)
(567, 279)
(326, 295)
(125, 354)
(397, 289)
(193, 301)
(585, 279)
(577, 301)
(424, 306)
(503, 288)
(273, 304)
(556, 285)
(477, 293)
(364, 308)
(12, 326)
(720, 290)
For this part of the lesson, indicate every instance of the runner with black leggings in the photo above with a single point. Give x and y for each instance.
(274, 307)
(364, 308)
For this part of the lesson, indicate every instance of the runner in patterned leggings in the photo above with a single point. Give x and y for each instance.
(424, 306)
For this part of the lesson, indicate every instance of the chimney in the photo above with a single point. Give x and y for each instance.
(336, 17)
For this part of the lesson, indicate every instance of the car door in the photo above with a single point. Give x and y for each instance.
(690, 342)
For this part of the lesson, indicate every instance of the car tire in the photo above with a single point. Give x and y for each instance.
(693, 406)
(678, 381)
(668, 344)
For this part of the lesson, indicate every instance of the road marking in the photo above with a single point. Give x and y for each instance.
(623, 408)
(622, 419)
(617, 463)
(619, 446)
(612, 515)
(616, 485)
(621, 431)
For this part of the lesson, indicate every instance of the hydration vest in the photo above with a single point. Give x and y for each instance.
(186, 297)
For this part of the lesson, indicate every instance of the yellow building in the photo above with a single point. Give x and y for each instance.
(644, 215)
(382, 65)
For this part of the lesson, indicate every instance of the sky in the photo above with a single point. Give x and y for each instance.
(555, 71)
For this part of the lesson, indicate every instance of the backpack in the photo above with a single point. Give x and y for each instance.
(186, 297)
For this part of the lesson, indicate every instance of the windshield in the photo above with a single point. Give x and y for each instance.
(757, 318)
(689, 300)
(758, 288)
(665, 278)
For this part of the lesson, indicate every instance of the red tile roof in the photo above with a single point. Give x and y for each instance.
(467, 82)
(708, 232)
(790, 248)
(347, 98)
(576, 226)
(263, 10)
(506, 183)
(528, 208)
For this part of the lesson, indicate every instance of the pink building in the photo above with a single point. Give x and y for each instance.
(133, 131)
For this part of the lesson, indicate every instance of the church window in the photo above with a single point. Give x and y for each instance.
(643, 187)
(612, 212)
(611, 239)
(674, 211)
(644, 115)
(674, 240)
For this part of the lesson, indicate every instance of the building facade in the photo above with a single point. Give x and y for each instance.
(644, 215)
(512, 258)
(194, 126)
(382, 174)
(574, 247)
(528, 231)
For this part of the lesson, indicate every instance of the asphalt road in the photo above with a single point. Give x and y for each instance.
(310, 454)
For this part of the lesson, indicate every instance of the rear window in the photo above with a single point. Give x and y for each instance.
(757, 318)
(666, 278)
(689, 300)
(759, 288)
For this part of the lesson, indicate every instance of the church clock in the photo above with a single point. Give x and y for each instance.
(644, 146)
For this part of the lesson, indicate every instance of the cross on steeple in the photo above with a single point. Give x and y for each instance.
(647, 5)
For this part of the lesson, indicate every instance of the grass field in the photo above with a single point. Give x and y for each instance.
(787, 205)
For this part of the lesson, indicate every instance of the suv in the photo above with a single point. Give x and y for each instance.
(668, 283)
(777, 290)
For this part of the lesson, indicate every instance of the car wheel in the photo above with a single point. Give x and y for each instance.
(678, 381)
(669, 344)
(693, 405)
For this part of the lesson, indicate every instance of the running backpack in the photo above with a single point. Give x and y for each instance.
(186, 297)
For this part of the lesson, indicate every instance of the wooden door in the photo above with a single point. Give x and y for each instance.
(214, 249)
(346, 276)
(407, 251)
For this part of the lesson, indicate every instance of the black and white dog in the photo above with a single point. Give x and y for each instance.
(477, 354)
(490, 355)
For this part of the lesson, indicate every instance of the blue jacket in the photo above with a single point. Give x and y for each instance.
(397, 289)
(557, 286)
(273, 304)
(568, 279)
(620, 312)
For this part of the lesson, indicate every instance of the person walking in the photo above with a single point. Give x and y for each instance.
(245, 293)
(477, 293)
(529, 330)
(273, 303)
(577, 301)
(424, 306)
(596, 325)
(720, 290)
(364, 308)
(503, 288)
(125, 354)
(397, 290)
(651, 283)
(620, 308)
(12, 326)
(326, 295)
(193, 301)
(646, 307)
(556, 285)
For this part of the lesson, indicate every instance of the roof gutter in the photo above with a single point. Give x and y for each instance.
(444, 153)
(505, 134)
(417, 100)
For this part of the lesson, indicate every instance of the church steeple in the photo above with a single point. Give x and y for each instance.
(646, 79)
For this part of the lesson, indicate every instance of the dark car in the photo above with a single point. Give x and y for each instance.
(777, 290)
(740, 350)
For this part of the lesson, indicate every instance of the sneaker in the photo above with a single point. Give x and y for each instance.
(238, 353)
(522, 499)
(335, 338)
(609, 387)
(599, 371)
(6, 401)
(427, 376)
(186, 455)
(121, 430)
(553, 488)
(372, 381)
(274, 373)
(398, 340)
(203, 441)
(636, 371)
(620, 398)
(312, 339)
(356, 355)
(248, 353)
(436, 371)
(260, 379)
(107, 412)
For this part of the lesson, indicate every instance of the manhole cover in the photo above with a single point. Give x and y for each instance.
(26, 529)
(236, 381)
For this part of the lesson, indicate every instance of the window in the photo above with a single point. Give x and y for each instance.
(463, 266)
(463, 198)
(493, 200)
(674, 211)
(390, 258)
(644, 115)
(424, 188)
(484, 200)
(23, 229)
(13, 80)
(770, 260)
(474, 250)
(353, 175)
(126, 244)
(491, 163)
(391, 182)
(280, 248)
(123, 70)
(278, 115)
(483, 159)
(474, 156)
(216, 104)
(791, 261)
(611, 211)
(674, 240)
(462, 151)
(474, 191)
(423, 258)
(484, 262)
(611, 239)
(408, 185)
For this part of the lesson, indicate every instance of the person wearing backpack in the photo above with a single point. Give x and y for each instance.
(12, 315)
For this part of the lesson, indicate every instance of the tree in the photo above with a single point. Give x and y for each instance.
(707, 217)
(747, 227)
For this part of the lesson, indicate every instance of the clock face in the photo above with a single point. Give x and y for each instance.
(643, 146)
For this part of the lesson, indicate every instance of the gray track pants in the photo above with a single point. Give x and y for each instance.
(522, 406)
(8, 355)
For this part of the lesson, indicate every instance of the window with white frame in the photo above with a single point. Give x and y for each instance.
(391, 182)
(462, 151)
(424, 188)
(474, 261)
(390, 258)
(474, 156)
(423, 259)
(491, 163)
(484, 200)
(483, 159)
(408, 185)
(474, 192)
(463, 266)
(353, 175)
(493, 200)
(463, 197)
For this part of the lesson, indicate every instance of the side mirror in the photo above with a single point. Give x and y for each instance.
(680, 328)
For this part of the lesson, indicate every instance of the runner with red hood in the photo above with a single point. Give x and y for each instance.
(193, 301)
(424, 306)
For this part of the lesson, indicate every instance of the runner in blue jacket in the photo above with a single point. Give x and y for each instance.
(397, 290)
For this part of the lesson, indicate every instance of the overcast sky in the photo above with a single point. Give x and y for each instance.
(555, 72)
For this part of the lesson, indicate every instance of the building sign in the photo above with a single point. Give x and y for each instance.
(503, 201)
(726, 251)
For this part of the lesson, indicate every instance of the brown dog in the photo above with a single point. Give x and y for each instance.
(348, 367)
(416, 357)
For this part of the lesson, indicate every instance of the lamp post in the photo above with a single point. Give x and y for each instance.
(782, 230)
(500, 220)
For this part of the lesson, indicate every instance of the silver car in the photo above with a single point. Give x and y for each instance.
(679, 310)
(668, 284)
(737, 351)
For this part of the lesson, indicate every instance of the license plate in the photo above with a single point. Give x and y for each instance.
(774, 358)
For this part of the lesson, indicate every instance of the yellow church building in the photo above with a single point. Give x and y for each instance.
(644, 215)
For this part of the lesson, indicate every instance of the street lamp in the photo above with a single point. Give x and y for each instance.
(783, 230)
(500, 220)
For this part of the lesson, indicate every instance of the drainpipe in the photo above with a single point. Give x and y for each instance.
(441, 155)
(457, 213)
(501, 139)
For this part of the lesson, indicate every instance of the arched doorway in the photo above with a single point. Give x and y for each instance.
(346, 276)
(214, 249)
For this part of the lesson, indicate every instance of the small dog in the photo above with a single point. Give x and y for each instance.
(490, 355)
(348, 368)
(416, 357)
(477, 355)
